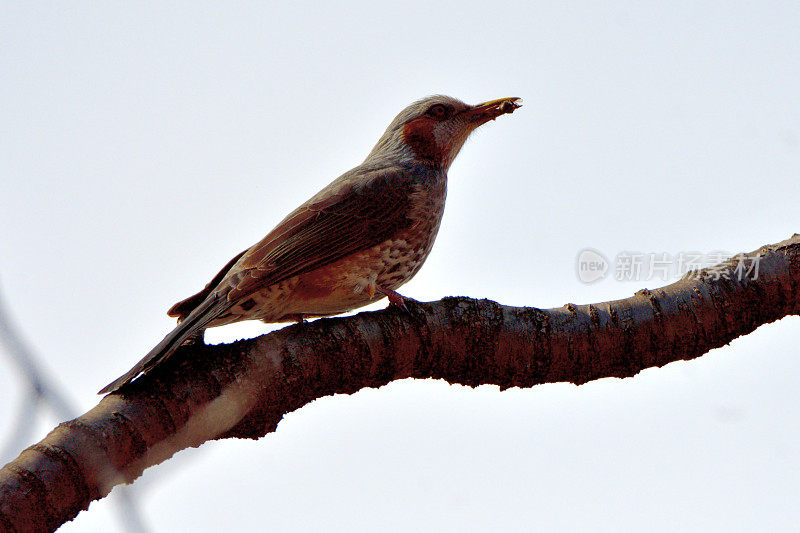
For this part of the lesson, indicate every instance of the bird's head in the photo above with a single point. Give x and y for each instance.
(433, 130)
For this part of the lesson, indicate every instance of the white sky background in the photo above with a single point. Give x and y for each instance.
(142, 147)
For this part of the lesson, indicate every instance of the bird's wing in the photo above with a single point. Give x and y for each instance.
(353, 213)
(182, 309)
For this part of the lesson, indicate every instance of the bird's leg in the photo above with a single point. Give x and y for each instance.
(198, 337)
(298, 318)
(395, 298)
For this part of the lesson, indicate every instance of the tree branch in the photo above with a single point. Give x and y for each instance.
(244, 389)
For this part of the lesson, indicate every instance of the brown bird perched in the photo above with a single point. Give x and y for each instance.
(351, 244)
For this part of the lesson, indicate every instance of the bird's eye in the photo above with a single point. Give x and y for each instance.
(438, 111)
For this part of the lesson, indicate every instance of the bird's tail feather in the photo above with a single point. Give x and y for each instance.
(197, 320)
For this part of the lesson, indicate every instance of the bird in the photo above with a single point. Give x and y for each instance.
(353, 243)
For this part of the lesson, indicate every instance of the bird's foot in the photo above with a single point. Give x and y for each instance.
(395, 298)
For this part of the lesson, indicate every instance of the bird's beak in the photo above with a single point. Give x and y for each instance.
(482, 113)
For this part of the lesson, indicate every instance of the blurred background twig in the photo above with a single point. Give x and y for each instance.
(42, 396)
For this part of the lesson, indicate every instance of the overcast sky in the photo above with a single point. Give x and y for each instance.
(142, 146)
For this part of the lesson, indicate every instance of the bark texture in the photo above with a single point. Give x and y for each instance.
(244, 389)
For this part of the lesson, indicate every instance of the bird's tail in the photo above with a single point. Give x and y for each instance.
(196, 321)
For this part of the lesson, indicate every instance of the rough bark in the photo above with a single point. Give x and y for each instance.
(243, 389)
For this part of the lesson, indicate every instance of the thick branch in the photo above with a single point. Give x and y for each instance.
(243, 389)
